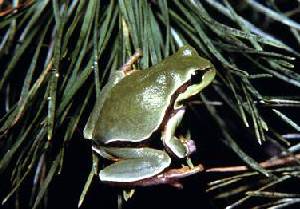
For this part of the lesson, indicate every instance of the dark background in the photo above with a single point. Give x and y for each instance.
(65, 190)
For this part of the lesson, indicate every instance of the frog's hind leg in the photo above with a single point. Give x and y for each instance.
(127, 67)
(134, 164)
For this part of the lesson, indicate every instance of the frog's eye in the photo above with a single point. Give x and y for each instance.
(196, 76)
(199, 80)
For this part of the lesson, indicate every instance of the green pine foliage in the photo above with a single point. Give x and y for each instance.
(56, 55)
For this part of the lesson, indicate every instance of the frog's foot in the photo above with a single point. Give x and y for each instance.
(127, 68)
(170, 176)
(179, 146)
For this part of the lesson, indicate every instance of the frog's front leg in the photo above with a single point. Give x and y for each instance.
(181, 147)
(133, 164)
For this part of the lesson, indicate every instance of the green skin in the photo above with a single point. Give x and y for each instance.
(132, 107)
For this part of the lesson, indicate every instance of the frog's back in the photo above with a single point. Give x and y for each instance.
(135, 107)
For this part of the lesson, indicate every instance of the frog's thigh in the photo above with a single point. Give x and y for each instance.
(134, 164)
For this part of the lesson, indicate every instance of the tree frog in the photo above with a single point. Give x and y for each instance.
(136, 104)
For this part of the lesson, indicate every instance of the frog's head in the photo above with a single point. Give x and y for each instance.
(196, 71)
(192, 74)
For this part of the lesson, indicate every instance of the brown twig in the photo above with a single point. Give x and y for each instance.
(9, 9)
(266, 164)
